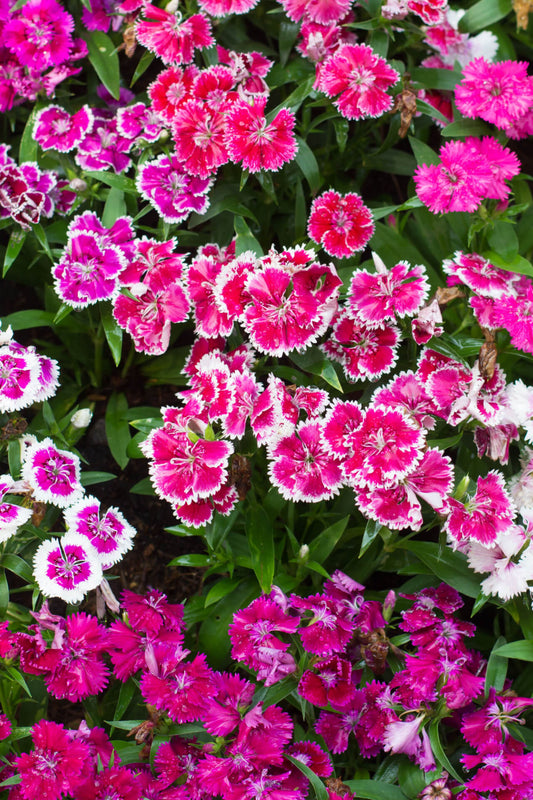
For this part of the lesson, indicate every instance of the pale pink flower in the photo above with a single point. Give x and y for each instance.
(274, 413)
(428, 323)
(341, 223)
(170, 38)
(53, 474)
(302, 468)
(361, 78)
(500, 92)
(509, 562)
(396, 292)
(68, 567)
(258, 144)
(458, 183)
(483, 517)
(174, 194)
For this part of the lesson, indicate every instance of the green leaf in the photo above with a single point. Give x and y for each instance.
(221, 588)
(438, 751)
(371, 532)
(91, 477)
(288, 31)
(117, 428)
(496, 668)
(113, 331)
(114, 208)
(313, 361)
(393, 161)
(191, 560)
(40, 235)
(341, 127)
(295, 99)
(14, 246)
(143, 487)
(4, 593)
(423, 152)
(485, 13)
(516, 264)
(375, 790)
(29, 149)
(63, 311)
(121, 182)
(321, 793)
(426, 108)
(17, 565)
(436, 78)
(324, 544)
(305, 158)
(448, 565)
(245, 239)
(32, 318)
(104, 59)
(144, 62)
(260, 537)
(125, 695)
(466, 127)
(523, 650)
(18, 678)
(503, 239)
(270, 695)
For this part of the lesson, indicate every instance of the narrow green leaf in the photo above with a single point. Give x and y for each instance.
(466, 127)
(4, 593)
(324, 544)
(375, 790)
(29, 149)
(90, 478)
(63, 312)
(300, 212)
(426, 108)
(496, 668)
(485, 13)
(143, 487)
(40, 235)
(436, 78)
(121, 182)
(245, 239)
(190, 560)
(125, 695)
(423, 153)
(114, 208)
(295, 99)
(516, 264)
(113, 332)
(341, 127)
(448, 565)
(305, 158)
(14, 246)
(260, 537)
(371, 532)
(104, 59)
(394, 162)
(288, 31)
(503, 240)
(270, 695)
(313, 361)
(17, 565)
(117, 428)
(523, 650)
(18, 678)
(221, 588)
(438, 751)
(321, 793)
(144, 62)
(32, 318)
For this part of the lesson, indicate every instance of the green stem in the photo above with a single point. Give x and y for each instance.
(128, 362)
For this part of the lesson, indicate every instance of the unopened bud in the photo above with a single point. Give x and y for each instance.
(303, 553)
(388, 605)
(81, 419)
(78, 185)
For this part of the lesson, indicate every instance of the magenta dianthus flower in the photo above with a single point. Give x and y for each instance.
(341, 223)
(56, 764)
(459, 183)
(500, 92)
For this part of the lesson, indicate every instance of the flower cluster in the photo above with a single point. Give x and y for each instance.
(38, 50)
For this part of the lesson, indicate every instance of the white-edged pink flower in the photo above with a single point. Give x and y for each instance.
(109, 533)
(406, 392)
(198, 513)
(274, 414)
(302, 468)
(341, 223)
(210, 319)
(340, 421)
(388, 293)
(19, 373)
(169, 188)
(258, 144)
(139, 122)
(483, 517)
(53, 474)
(386, 447)
(88, 270)
(67, 568)
(365, 351)
(11, 516)
(509, 562)
(56, 129)
(479, 275)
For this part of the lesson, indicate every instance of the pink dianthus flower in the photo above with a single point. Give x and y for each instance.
(173, 40)
(258, 144)
(55, 765)
(498, 92)
(341, 223)
(458, 183)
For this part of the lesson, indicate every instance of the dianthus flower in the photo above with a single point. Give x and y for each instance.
(258, 144)
(329, 627)
(110, 534)
(87, 271)
(361, 78)
(388, 293)
(199, 137)
(56, 764)
(56, 129)
(221, 8)
(430, 11)
(68, 567)
(501, 161)
(324, 12)
(172, 87)
(478, 274)
(365, 351)
(53, 474)
(458, 183)
(336, 728)
(301, 467)
(484, 516)
(406, 392)
(329, 682)
(170, 38)
(174, 194)
(39, 34)
(11, 515)
(104, 147)
(184, 689)
(498, 92)
(513, 313)
(341, 223)
(139, 122)
(509, 562)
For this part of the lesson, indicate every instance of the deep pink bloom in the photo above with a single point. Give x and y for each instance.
(502, 162)
(104, 147)
(325, 12)
(39, 34)
(479, 274)
(484, 516)
(55, 765)
(209, 317)
(302, 468)
(68, 567)
(56, 129)
(139, 122)
(88, 270)
(184, 689)
(365, 351)
(341, 223)
(361, 78)
(198, 513)
(388, 293)
(458, 183)
(199, 137)
(221, 8)
(329, 627)
(339, 423)
(173, 193)
(498, 92)
(170, 89)
(234, 695)
(336, 728)
(431, 11)
(151, 611)
(171, 39)
(256, 143)
(406, 392)
(329, 682)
